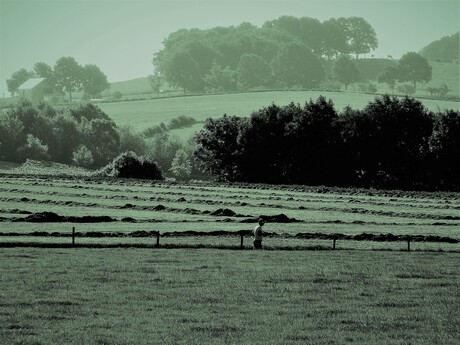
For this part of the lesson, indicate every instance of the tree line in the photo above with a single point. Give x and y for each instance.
(391, 143)
(67, 74)
(284, 52)
(83, 135)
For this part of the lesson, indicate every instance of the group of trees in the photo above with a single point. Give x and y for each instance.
(284, 52)
(391, 143)
(66, 75)
(81, 135)
(85, 136)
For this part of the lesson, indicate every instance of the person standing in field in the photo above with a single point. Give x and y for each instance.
(258, 233)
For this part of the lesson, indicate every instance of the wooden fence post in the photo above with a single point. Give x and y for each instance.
(408, 244)
(333, 243)
(242, 237)
(73, 236)
(158, 239)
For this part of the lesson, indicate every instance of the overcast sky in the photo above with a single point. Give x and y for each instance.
(120, 36)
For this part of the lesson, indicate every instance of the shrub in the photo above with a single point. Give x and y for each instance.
(181, 166)
(162, 148)
(83, 157)
(129, 165)
(131, 141)
(33, 149)
(154, 130)
(181, 122)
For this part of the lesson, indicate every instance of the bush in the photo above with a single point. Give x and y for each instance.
(181, 166)
(181, 122)
(129, 165)
(83, 157)
(154, 130)
(33, 149)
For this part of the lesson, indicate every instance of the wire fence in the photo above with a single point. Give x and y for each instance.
(228, 240)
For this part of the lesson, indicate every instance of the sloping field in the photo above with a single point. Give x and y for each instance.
(147, 113)
(120, 208)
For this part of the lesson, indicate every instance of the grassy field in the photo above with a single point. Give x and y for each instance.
(136, 296)
(146, 113)
(297, 291)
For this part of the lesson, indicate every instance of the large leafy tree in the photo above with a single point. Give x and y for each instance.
(218, 148)
(361, 36)
(67, 74)
(295, 64)
(17, 79)
(93, 80)
(414, 68)
(43, 70)
(346, 71)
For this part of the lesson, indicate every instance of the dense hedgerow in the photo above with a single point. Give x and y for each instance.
(393, 143)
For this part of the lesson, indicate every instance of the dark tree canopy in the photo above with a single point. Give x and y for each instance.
(391, 143)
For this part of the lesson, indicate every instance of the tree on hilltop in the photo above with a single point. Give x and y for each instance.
(361, 36)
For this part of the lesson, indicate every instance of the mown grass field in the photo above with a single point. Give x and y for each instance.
(170, 207)
(144, 296)
(147, 113)
(362, 293)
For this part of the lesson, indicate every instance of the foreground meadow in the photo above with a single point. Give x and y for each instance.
(184, 296)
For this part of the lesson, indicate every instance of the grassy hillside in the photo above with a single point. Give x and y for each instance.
(445, 73)
(133, 86)
(147, 113)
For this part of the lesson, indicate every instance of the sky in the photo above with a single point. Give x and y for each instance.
(121, 36)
